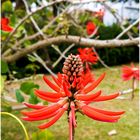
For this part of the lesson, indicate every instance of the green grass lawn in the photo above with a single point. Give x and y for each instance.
(127, 128)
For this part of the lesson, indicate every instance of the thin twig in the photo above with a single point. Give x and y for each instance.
(41, 61)
(133, 87)
(101, 61)
(99, 58)
(126, 91)
(127, 29)
(58, 50)
(32, 19)
(62, 55)
(84, 2)
(118, 21)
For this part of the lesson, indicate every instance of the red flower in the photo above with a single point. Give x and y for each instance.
(87, 75)
(88, 55)
(71, 94)
(130, 72)
(5, 25)
(90, 27)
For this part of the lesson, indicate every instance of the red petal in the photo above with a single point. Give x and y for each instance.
(50, 84)
(106, 97)
(96, 115)
(74, 82)
(34, 106)
(85, 97)
(56, 81)
(67, 92)
(56, 117)
(94, 84)
(49, 94)
(41, 117)
(50, 99)
(45, 110)
(106, 112)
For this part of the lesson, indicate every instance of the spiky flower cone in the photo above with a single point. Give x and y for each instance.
(73, 67)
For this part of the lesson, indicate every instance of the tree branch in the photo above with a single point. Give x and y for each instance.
(71, 39)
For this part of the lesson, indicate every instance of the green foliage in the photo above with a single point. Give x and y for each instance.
(4, 67)
(3, 35)
(7, 6)
(27, 87)
(19, 96)
(43, 135)
(109, 32)
(33, 98)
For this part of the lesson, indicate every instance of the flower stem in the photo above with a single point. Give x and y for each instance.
(133, 87)
(19, 121)
(73, 132)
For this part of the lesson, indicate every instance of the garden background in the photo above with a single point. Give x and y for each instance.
(38, 35)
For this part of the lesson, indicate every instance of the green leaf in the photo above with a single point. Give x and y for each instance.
(43, 135)
(7, 6)
(19, 96)
(4, 67)
(31, 58)
(26, 87)
(135, 30)
(33, 98)
(13, 19)
(32, 67)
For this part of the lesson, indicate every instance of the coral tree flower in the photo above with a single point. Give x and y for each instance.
(130, 72)
(5, 25)
(71, 94)
(90, 28)
(88, 55)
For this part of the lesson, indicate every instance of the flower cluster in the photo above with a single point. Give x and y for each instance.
(90, 28)
(88, 55)
(130, 72)
(71, 94)
(5, 25)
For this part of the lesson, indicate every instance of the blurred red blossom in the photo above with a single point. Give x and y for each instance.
(71, 94)
(5, 25)
(88, 55)
(90, 28)
(130, 72)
